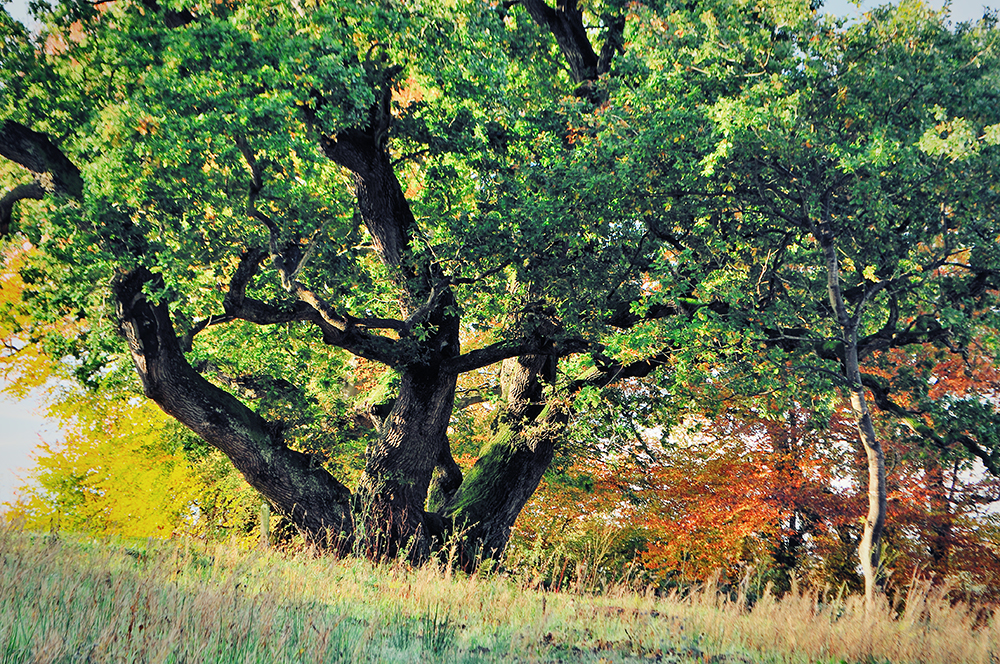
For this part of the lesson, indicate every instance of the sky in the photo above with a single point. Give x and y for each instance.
(21, 429)
(22, 426)
(961, 10)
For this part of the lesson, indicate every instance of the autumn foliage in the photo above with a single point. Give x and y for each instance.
(769, 500)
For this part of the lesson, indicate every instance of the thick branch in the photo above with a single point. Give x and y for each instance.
(245, 272)
(383, 206)
(503, 350)
(511, 465)
(565, 22)
(613, 41)
(624, 318)
(34, 151)
(338, 329)
(351, 336)
(312, 498)
(349, 333)
(363, 151)
(32, 190)
(54, 173)
(608, 372)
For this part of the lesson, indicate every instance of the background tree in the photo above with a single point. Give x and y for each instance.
(862, 211)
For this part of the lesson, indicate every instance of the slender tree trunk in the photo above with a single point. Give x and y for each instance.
(875, 519)
(868, 549)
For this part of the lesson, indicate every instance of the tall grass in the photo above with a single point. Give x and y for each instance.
(73, 599)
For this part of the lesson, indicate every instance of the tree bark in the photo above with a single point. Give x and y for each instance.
(413, 438)
(411, 483)
(511, 465)
(53, 173)
(565, 22)
(34, 151)
(398, 469)
(19, 193)
(868, 549)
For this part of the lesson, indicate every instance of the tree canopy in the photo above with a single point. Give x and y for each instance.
(305, 225)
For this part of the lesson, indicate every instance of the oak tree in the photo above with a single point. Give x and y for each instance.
(538, 201)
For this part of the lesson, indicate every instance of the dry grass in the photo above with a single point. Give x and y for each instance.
(73, 599)
(926, 627)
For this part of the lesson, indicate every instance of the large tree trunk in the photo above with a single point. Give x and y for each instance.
(413, 440)
(293, 482)
(511, 465)
(399, 467)
(411, 458)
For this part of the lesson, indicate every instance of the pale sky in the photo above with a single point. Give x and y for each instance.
(22, 427)
(961, 10)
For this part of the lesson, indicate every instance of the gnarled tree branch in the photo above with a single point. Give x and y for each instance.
(565, 22)
(301, 489)
(53, 172)
(22, 191)
(348, 333)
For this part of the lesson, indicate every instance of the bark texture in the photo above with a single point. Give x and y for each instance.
(399, 467)
(53, 173)
(511, 465)
(413, 438)
(565, 23)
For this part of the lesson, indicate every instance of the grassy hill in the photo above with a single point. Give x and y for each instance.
(75, 599)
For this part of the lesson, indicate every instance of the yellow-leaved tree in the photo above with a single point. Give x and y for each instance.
(117, 472)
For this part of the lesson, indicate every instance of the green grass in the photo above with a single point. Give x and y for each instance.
(74, 599)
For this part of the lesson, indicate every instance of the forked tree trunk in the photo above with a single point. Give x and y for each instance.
(412, 456)
(387, 516)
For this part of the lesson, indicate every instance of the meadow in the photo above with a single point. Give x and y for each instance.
(66, 598)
